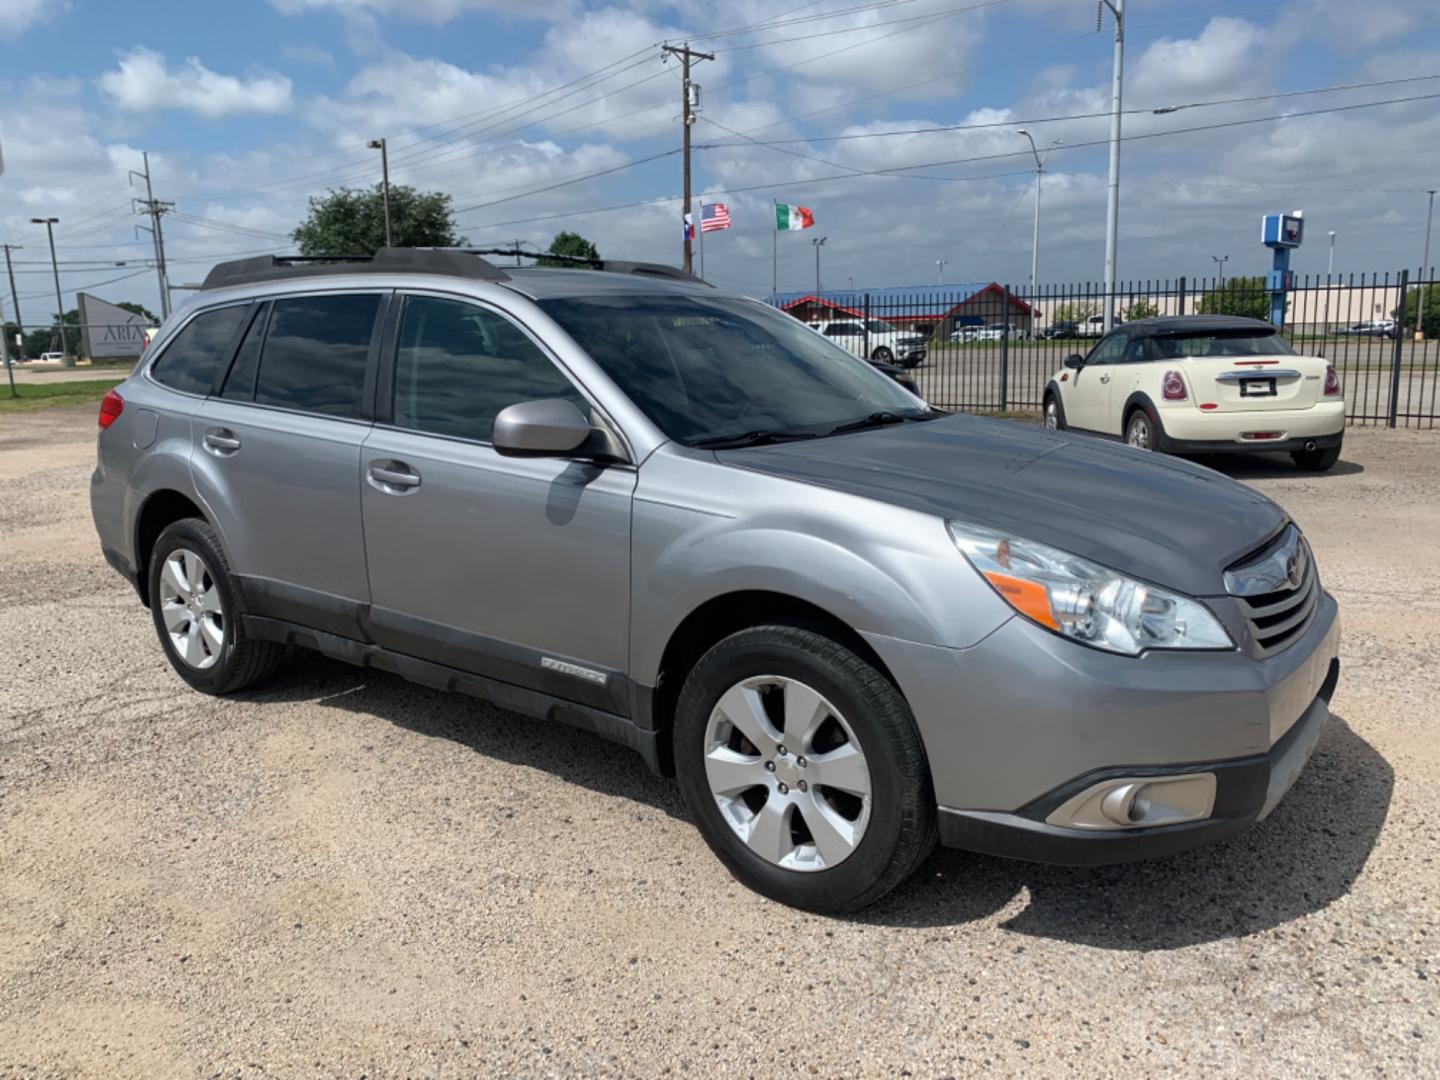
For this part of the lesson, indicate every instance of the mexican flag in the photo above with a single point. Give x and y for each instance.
(792, 217)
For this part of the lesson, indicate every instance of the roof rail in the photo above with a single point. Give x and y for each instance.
(452, 262)
(613, 266)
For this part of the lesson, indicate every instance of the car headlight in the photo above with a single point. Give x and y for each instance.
(1084, 601)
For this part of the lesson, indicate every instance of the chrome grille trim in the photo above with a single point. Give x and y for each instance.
(1278, 592)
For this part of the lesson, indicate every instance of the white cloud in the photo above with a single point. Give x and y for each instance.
(143, 82)
(433, 11)
(17, 16)
(1225, 58)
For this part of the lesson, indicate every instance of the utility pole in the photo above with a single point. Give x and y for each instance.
(1220, 261)
(689, 105)
(940, 277)
(49, 223)
(379, 144)
(1422, 300)
(14, 296)
(1035, 243)
(819, 243)
(1112, 210)
(5, 352)
(155, 209)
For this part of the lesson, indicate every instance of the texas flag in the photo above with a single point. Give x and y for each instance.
(689, 227)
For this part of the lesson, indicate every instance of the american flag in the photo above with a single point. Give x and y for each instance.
(714, 217)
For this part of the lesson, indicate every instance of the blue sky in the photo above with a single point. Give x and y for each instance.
(249, 107)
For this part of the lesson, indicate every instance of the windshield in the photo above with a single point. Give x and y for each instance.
(710, 368)
(1225, 343)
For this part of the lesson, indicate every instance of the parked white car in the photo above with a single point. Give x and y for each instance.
(1202, 384)
(52, 358)
(877, 341)
(1093, 326)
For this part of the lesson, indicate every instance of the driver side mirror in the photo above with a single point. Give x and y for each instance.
(1075, 361)
(546, 427)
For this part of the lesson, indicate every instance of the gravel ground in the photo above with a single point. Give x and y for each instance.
(346, 875)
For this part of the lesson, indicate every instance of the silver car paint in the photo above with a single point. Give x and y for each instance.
(1006, 709)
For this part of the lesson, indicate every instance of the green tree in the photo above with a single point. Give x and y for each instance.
(572, 244)
(1239, 296)
(1144, 308)
(1430, 308)
(352, 222)
(47, 338)
(1075, 311)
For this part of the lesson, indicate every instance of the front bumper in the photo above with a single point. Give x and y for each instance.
(1020, 722)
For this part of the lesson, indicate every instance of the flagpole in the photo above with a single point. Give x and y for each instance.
(775, 247)
(700, 232)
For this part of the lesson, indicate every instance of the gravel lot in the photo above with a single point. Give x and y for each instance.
(347, 875)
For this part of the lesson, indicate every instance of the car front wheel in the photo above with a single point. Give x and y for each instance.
(882, 355)
(1054, 413)
(803, 768)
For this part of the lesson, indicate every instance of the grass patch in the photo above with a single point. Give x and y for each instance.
(56, 395)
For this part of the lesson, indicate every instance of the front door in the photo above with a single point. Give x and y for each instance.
(1087, 406)
(516, 568)
(277, 458)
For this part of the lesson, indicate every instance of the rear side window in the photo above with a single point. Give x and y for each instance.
(1222, 343)
(458, 365)
(193, 360)
(240, 383)
(315, 354)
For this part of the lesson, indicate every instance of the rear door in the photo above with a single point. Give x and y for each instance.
(1244, 372)
(277, 456)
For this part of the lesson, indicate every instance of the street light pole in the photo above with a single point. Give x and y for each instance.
(1220, 261)
(1112, 211)
(49, 223)
(379, 144)
(1422, 302)
(940, 280)
(818, 245)
(1329, 273)
(1035, 242)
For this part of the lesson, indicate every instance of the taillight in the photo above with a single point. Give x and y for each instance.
(1173, 387)
(1332, 381)
(111, 406)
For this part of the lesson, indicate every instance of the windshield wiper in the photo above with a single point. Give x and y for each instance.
(751, 438)
(880, 419)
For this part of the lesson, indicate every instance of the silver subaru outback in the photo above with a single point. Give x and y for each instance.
(849, 624)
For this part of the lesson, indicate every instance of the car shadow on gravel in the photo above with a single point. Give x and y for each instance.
(1272, 467)
(1301, 859)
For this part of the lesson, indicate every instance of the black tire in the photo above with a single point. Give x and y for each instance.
(1155, 434)
(1052, 398)
(902, 827)
(882, 355)
(1320, 460)
(241, 661)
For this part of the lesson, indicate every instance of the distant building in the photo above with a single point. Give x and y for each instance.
(935, 310)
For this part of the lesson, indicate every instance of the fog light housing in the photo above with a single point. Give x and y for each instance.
(1138, 802)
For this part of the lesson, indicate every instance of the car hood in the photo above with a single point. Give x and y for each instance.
(1157, 518)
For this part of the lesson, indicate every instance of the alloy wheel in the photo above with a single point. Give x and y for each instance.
(1138, 433)
(787, 773)
(1052, 415)
(191, 608)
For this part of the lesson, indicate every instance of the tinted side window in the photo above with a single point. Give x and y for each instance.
(458, 365)
(240, 383)
(315, 353)
(1109, 350)
(195, 357)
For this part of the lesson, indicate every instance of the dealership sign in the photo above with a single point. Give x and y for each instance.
(111, 333)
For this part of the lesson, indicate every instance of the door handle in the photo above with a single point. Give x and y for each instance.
(393, 477)
(220, 441)
(1104, 378)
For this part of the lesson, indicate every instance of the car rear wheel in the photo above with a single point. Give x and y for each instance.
(1318, 460)
(882, 355)
(197, 613)
(803, 768)
(1140, 431)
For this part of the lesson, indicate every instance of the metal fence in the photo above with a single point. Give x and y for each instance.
(994, 349)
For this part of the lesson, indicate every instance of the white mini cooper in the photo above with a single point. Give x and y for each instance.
(1198, 384)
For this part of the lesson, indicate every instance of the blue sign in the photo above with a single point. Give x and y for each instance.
(1282, 230)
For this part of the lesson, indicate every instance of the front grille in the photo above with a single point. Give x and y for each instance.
(1277, 618)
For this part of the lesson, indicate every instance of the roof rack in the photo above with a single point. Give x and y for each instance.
(612, 266)
(450, 261)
